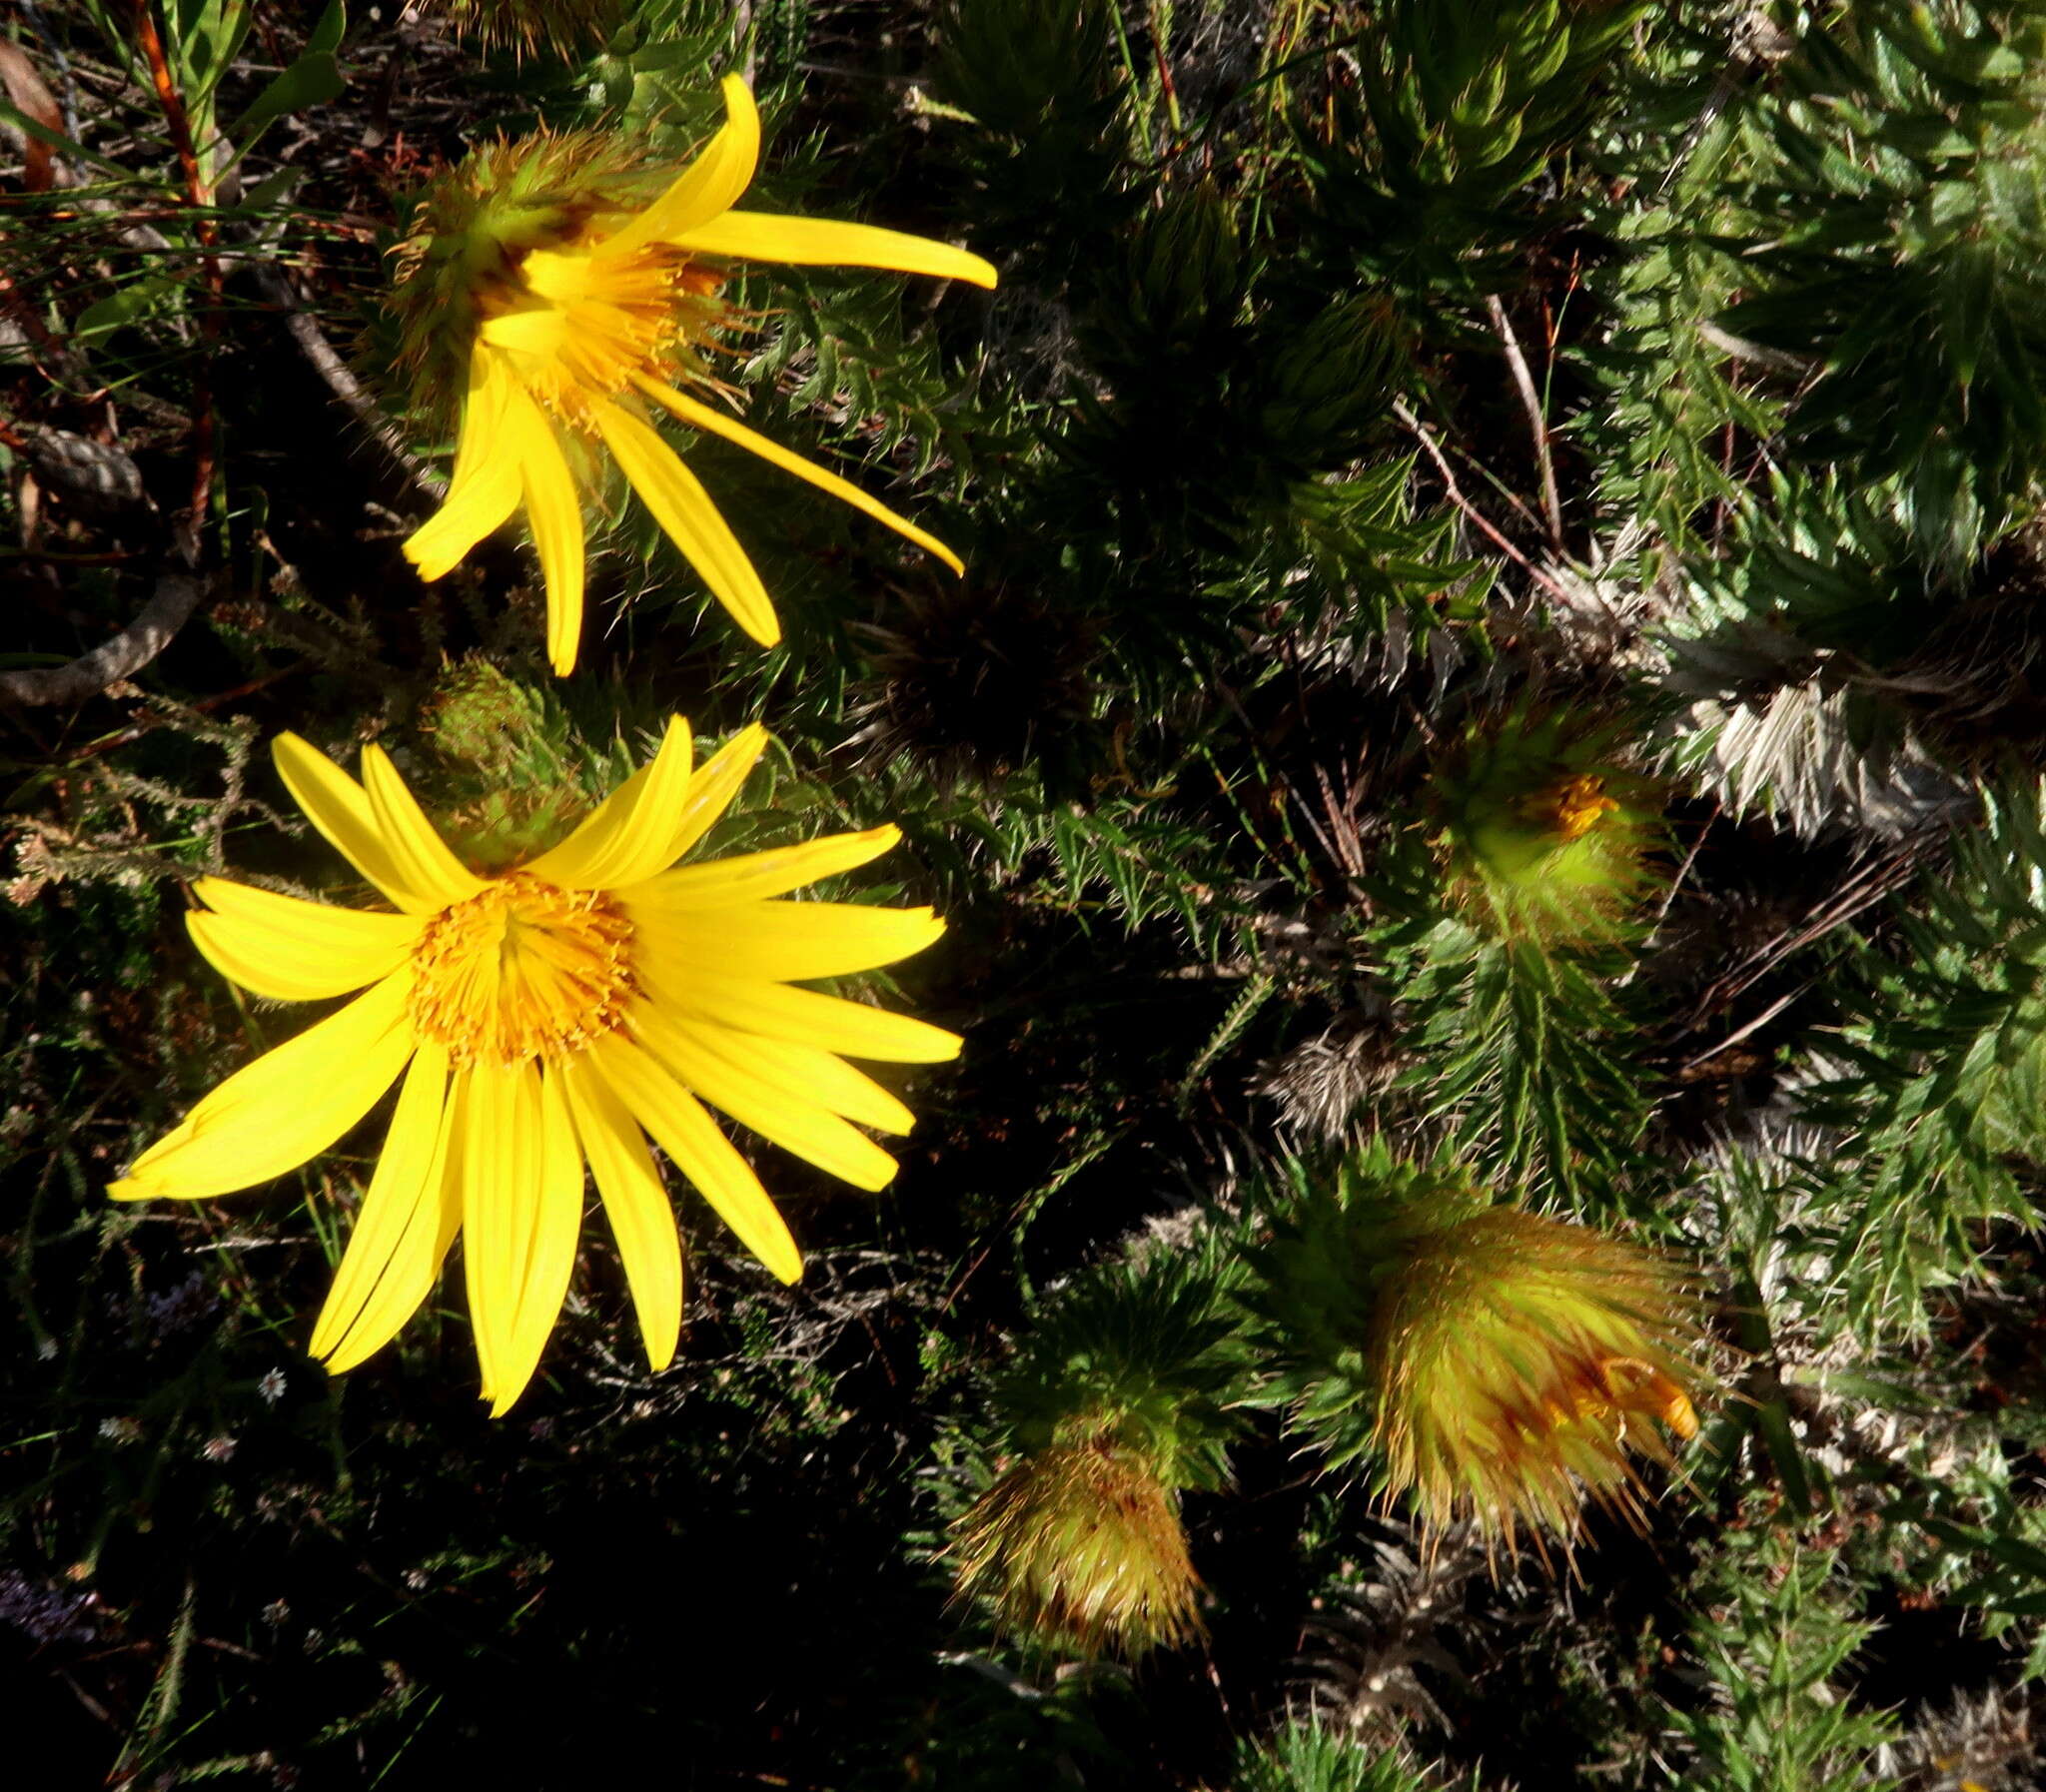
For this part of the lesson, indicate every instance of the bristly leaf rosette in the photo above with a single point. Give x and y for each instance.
(562, 293)
(1539, 831)
(1492, 1365)
(555, 1014)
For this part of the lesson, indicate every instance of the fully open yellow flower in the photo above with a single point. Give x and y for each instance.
(558, 1014)
(570, 303)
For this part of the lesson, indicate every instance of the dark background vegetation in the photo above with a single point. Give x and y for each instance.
(1358, 371)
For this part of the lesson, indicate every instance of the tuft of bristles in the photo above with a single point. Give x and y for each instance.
(975, 682)
(1323, 1084)
(1080, 1546)
(1365, 1646)
(564, 26)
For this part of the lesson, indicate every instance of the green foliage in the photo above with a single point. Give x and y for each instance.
(1038, 80)
(1518, 1053)
(1775, 1630)
(1250, 472)
(1896, 244)
(1951, 1055)
(1306, 1759)
(1459, 105)
(1820, 561)
(1143, 1353)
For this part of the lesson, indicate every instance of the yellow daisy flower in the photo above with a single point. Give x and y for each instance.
(560, 1013)
(543, 280)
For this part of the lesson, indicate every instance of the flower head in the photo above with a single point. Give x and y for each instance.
(1498, 1364)
(570, 293)
(565, 25)
(1080, 1545)
(1540, 833)
(1116, 1401)
(558, 1014)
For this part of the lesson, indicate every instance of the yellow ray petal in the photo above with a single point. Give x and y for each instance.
(635, 1203)
(337, 805)
(553, 512)
(392, 1257)
(688, 518)
(788, 942)
(483, 491)
(539, 334)
(713, 183)
(703, 1153)
(294, 951)
(832, 1023)
(800, 1073)
(562, 277)
(643, 845)
(601, 853)
(703, 1060)
(833, 1083)
(482, 411)
(546, 1252)
(718, 779)
(499, 1190)
(760, 237)
(423, 859)
(716, 423)
(624, 839)
(749, 877)
(289, 1104)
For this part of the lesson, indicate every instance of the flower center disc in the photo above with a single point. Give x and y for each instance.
(523, 970)
(1576, 806)
(614, 317)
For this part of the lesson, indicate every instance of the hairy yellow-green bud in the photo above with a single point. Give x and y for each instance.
(1080, 1546)
(1119, 1398)
(1540, 833)
(564, 26)
(506, 786)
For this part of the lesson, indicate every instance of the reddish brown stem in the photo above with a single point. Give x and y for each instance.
(199, 196)
(167, 95)
(1425, 437)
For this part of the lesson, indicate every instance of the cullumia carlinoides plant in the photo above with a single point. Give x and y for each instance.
(558, 293)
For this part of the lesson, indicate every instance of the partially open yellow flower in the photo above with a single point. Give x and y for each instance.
(556, 1014)
(1497, 1366)
(568, 298)
(1519, 1360)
